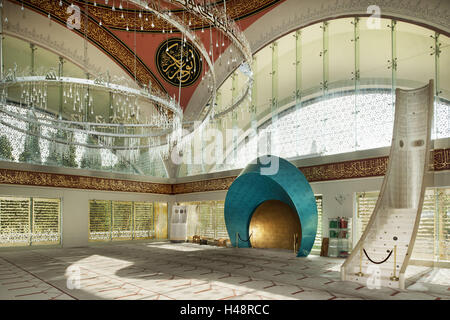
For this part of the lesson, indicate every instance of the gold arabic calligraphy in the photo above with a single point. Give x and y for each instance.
(178, 63)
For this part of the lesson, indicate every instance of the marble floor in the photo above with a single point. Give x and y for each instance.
(162, 270)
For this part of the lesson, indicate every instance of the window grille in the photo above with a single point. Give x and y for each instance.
(126, 220)
(46, 221)
(206, 219)
(433, 236)
(122, 220)
(143, 220)
(207, 227)
(29, 221)
(318, 241)
(99, 220)
(220, 229)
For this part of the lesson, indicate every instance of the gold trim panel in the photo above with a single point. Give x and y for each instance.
(44, 179)
(121, 19)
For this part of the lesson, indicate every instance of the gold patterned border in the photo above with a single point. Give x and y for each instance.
(373, 167)
(441, 159)
(44, 179)
(204, 186)
(101, 37)
(352, 169)
(121, 19)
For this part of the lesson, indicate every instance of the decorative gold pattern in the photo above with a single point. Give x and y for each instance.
(441, 159)
(121, 19)
(101, 37)
(346, 170)
(203, 186)
(373, 167)
(43, 179)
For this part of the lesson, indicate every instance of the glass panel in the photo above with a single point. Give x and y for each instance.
(374, 114)
(415, 64)
(341, 53)
(375, 52)
(444, 67)
(264, 80)
(225, 94)
(18, 53)
(286, 69)
(312, 46)
(442, 105)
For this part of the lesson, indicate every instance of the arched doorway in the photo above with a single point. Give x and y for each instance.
(273, 225)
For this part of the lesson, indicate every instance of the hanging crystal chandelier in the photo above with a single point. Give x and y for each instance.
(137, 118)
(217, 17)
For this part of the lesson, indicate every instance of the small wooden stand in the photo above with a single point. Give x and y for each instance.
(324, 248)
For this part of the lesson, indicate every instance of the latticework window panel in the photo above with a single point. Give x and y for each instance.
(99, 220)
(126, 220)
(424, 247)
(433, 236)
(46, 221)
(220, 226)
(318, 241)
(365, 204)
(444, 224)
(122, 220)
(206, 220)
(143, 220)
(14, 221)
(29, 221)
(192, 218)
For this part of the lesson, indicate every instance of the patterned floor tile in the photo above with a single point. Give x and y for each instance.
(140, 271)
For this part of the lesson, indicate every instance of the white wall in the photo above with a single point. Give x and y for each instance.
(75, 206)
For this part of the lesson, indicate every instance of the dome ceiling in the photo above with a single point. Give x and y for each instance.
(131, 37)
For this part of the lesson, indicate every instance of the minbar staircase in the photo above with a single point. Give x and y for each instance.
(384, 250)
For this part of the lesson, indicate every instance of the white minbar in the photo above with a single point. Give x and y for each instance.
(382, 254)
